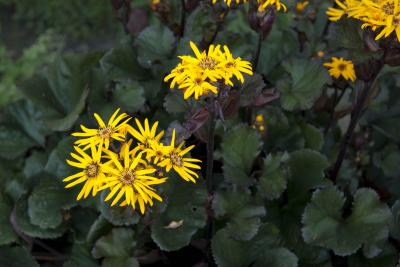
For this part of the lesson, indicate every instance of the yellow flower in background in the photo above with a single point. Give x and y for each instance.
(264, 4)
(229, 2)
(300, 6)
(145, 134)
(174, 159)
(91, 174)
(379, 15)
(105, 133)
(200, 75)
(341, 67)
(130, 182)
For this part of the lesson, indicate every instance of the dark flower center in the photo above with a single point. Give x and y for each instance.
(175, 159)
(92, 170)
(128, 177)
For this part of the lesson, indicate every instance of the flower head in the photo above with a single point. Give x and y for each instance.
(105, 133)
(145, 135)
(131, 181)
(174, 159)
(91, 171)
(264, 4)
(341, 67)
(199, 75)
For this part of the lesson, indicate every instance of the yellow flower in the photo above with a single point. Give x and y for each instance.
(234, 67)
(263, 4)
(320, 53)
(133, 183)
(205, 63)
(196, 84)
(335, 14)
(92, 171)
(260, 118)
(105, 133)
(178, 75)
(174, 159)
(156, 151)
(228, 2)
(341, 67)
(145, 134)
(300, 6)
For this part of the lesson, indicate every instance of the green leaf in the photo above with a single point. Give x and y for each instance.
(306, 169)
(13, 142)
(388, 160)
(273, 181)
(46, 203)
(228, 252)
(251, 88)
(186, 203)
(324, 225)
(175, 103)
(154, 44)
(264, 249)
(130, 96)
(395, 224)
(7, 234)
(82, 220)
(16, 257)
(68, 121)
(25, 225)
(80, 257)
(387, 258)
(314, 139)
(305, 85)
(121, 64)
(30, 119)
(242, 212)
(56, 164)
(34, 164)
(120, 262)
(118, 215)
(118, 243)
(99, 228)
(240, 147)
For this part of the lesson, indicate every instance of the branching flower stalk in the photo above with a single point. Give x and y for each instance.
(355, 117)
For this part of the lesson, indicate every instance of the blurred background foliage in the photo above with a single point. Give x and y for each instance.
(273, 204)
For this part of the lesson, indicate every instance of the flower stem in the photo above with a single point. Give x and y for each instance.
(183, 18)
(258, 51)
(209, 176)
(355, 116)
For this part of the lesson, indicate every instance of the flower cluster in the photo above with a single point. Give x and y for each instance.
(262, 4)
(379, 15)
(128, 167)
(341, 67)
(199, 75)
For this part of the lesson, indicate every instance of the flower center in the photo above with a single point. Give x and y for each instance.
(105, 132)
(92, 170)
(198, 81)
(207, 63)
(159, 154)
(342, 67)
(175, 159)
(388, 8)
(396, 21)
(127, 177)
(230, 64)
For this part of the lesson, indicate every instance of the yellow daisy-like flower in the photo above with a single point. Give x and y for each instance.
(105, 133)
(145, 135)
(234, 67)
(206, 62)
(174, 159)
(334, 14)
(263, 4)
(92, 171)
(132, 182)
(196, 84)
(341, 67)
(156, 151)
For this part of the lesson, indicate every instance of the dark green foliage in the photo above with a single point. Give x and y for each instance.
(272, 201)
